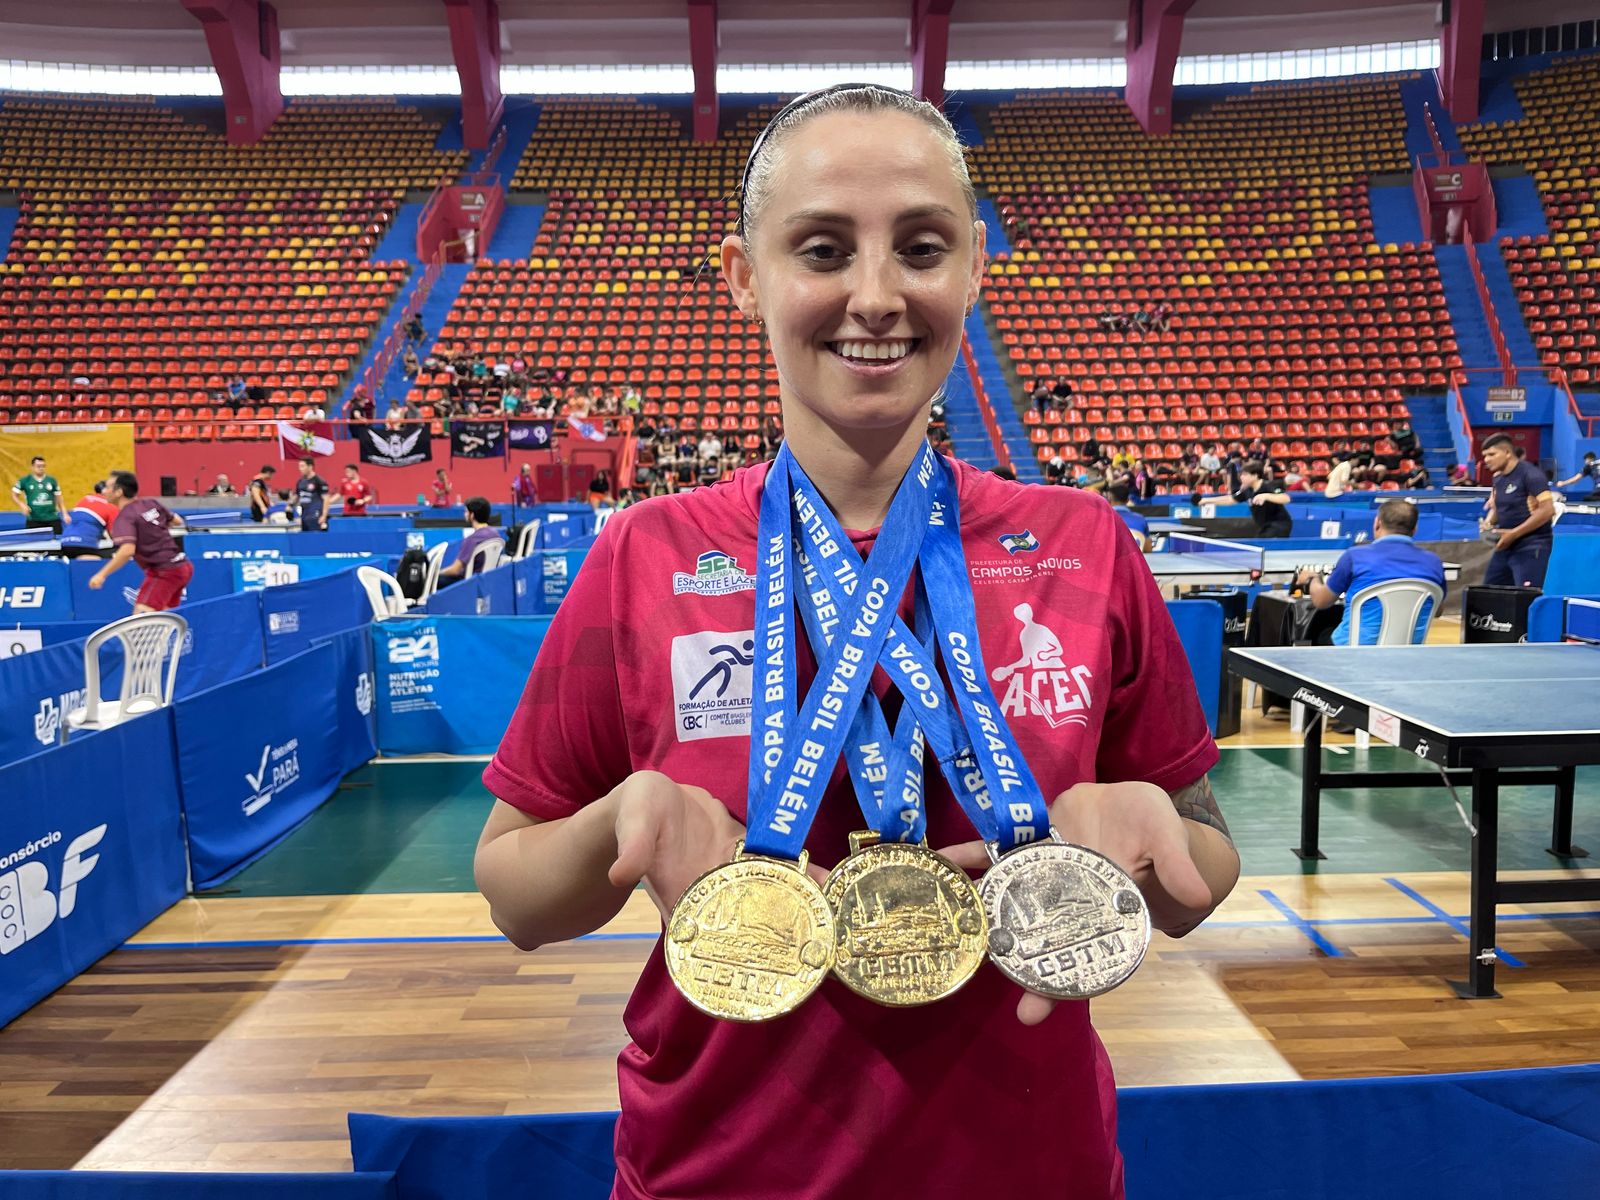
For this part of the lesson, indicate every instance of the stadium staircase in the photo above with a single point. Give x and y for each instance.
(1394, 214)
(1432, 427)
(1000, 393)
(9, 215)
(515, 234)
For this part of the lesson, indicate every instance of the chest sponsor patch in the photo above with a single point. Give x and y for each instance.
(711, 684)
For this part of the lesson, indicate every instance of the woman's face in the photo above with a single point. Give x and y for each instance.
(862, 263)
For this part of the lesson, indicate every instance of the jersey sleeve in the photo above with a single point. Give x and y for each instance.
(567, 744)
(122, 531)
(1537, 484)
(1343, 571)
(1155, 730)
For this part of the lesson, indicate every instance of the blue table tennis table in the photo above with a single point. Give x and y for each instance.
(1434, 702)
(1188, 559)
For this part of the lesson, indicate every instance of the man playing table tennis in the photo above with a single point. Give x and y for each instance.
(1390, 555)
(1266, 498)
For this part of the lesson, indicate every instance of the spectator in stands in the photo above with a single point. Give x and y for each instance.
(1521, 508)
(313, 412)
(1055, 467)
(1590, 471)
(1117, 493)
(311, 493)
(1114, 322)
(523, 490)
(683, 469)
(1338, 476)
(1267, 499)
(1042, 398)
(1231, 465)
(1404, 439)
(222, 487)
(87, 525)
(142, 531)
(238, 390)
(1416, 478)
(599, 492)
(1459, 475)
(1367, 468)
(1062, 391)
(1159, 318)
(395, 419)
(645, 475)
(414, 330)
(357, 492)
(260, 492)
(510, 402)
(38, 495)
(1089, 448)
(1390, 555)
(362, 409)
(1294, 479)
(439, 489)
(709, 447)
(480, 532)
(1210, 466)
(410, 364)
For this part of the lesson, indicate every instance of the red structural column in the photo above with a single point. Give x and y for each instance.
(930, 48)
(1460, 50)
(475, 42)
(1155, 30)
(243, 38)
(703, 58)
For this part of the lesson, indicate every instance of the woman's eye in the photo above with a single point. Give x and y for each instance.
(925, 251)
(821, 252)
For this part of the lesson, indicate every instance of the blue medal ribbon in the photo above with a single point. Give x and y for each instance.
(792, 754)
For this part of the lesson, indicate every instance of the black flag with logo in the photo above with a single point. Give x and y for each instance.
(404, 447)
(477, 439)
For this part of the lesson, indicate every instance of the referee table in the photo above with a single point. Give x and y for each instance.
(1434, 702)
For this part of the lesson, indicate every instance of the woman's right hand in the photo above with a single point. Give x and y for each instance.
(668, 835)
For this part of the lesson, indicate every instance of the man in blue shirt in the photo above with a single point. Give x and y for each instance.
(1522, 509)
(1390, 555)
(1117, 493)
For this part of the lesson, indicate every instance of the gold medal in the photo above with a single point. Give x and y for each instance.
(911, 928)
(751, 939)
(1064, 921)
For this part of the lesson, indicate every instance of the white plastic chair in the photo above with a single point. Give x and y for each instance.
(525, 541)
(1402, 601)
(152, 643)
(383, 592)
(485, 558)
(430, 584)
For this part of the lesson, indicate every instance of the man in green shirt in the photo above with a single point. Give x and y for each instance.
(39, 497)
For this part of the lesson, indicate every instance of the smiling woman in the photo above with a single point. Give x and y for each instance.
(799, 1033)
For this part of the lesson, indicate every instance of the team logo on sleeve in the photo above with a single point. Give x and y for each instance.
(1041, 683)
(711, 684)
(1017, 543)
(715, 574)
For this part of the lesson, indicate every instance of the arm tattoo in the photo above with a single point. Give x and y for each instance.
(1196, 803)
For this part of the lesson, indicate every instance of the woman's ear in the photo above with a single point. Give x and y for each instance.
(979, 263)
(740, 276)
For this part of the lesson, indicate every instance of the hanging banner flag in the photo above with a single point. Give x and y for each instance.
(395, 447)
(304, 439)
(476, 439)
(595, 433)
(531, 435)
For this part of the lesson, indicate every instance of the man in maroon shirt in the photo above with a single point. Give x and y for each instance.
(142, 531)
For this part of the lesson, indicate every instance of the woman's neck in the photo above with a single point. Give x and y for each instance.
(857, 471)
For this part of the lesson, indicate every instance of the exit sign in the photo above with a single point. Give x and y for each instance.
(1503, 418)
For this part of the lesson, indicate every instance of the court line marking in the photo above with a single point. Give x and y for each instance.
(1461, 926)
(1300, 923)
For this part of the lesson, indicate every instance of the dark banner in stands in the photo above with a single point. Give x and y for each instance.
(258, 755)
(532, 435)
(37, 690)
(448, 685)
(405, 447)
(84, 867)
(477, 440)
(296, 615)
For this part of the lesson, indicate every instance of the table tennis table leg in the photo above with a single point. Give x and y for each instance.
(1311, 787)
(1479, 984)
(1561, 832)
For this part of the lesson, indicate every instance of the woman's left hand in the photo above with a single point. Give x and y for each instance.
(1136, 826)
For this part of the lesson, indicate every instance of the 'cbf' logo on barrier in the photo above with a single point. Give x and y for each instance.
(280, 767)
(22, 596)
(27, 905)
(52, 711)
(364, 693)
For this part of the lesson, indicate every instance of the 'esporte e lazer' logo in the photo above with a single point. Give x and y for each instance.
(715, 574)
(27, 905)
(280, 767)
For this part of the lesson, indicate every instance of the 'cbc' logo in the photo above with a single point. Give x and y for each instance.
(30, 596)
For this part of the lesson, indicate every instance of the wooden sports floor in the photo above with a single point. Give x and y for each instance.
(354, 968)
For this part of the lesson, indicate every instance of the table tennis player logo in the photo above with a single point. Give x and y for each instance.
(364, 693)
(715, 574)
(1041, 683)
(280, 767)
(1019, 543)
(27, 905)
(711, 684)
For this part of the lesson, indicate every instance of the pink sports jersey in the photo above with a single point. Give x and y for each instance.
(648, 666)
